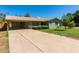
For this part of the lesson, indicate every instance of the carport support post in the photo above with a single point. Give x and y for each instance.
(48, 25)
(7, 26)
(30, 25)
(40, 25)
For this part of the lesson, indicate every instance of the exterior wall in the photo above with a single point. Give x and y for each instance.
(52, 25)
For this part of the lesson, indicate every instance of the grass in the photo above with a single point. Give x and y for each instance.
(74, 33)
(4, 42)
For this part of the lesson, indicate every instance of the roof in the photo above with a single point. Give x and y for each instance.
(25, 19)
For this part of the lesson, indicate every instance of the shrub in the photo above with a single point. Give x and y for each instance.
(71, 24)
(59, 29)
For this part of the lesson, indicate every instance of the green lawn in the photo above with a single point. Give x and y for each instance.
(74, 33)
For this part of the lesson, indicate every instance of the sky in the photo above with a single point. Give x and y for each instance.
(46, 11)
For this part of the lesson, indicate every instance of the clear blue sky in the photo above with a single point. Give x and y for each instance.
(48, 11)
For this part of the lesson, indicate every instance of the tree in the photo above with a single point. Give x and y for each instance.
(70, 16)
(65, 22)
(76, 17)
(76, 13)
(2, 17)
(71, 24)
(67, 19)
(56, 20)
(27, 15)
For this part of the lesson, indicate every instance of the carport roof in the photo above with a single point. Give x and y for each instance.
(25, 19)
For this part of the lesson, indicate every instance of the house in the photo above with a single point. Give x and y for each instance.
(19, 22)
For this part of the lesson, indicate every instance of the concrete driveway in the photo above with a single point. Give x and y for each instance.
(33, 41)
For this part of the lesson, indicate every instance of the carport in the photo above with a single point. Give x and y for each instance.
(17, 22)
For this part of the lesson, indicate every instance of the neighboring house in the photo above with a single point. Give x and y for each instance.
(52, 24)
(18, 22)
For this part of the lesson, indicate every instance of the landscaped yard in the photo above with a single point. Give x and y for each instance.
(4, 42)
(73, 33)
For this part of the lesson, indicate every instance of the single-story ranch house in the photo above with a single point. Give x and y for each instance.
(18, 22)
